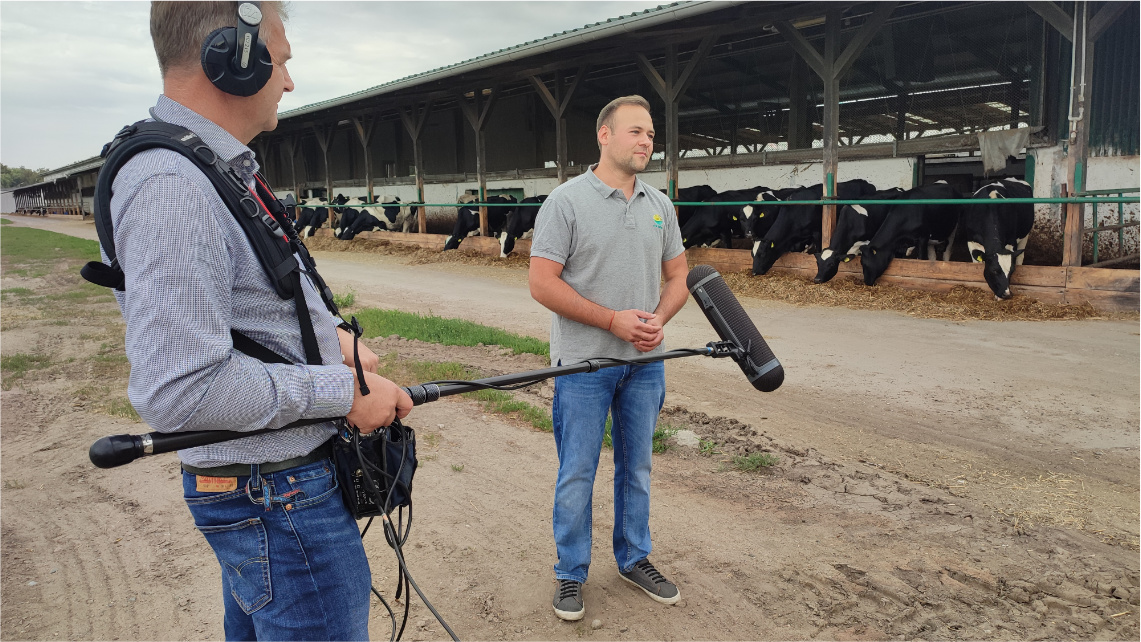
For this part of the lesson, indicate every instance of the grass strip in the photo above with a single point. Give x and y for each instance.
(755, 461)
(32, 245)
(15, 366)
(449, 332)
(4, 221)
(493, 401)
(663, 435)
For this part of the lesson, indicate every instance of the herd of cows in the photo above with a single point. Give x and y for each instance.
(995, 233)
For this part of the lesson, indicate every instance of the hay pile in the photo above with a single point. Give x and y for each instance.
(962, 303)
(416, 256)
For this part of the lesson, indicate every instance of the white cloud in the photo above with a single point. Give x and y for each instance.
(73, 73)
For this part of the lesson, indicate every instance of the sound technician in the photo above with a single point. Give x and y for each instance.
(602, 244)
(293, 567)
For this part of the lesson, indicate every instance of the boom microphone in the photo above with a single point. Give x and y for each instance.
(728, 318)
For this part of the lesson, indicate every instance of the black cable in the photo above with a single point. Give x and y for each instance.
(400, 557)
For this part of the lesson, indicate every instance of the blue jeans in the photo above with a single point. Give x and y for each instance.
(634, 396)
(293, 566)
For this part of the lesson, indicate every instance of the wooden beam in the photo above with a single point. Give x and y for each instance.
(545, 95)
(1105, 17)
(652, 75)
(864, 36)
(324, 135)
(801, 46)
(699, 55)
(831, 120)
(364, 128)
(1054, 15)
(414, 119)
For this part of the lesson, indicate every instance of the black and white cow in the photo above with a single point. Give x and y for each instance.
(996, 233)
(797, 227)
(756, 220)
(520, 224)
(353, 221)
(855, 226)
(912, 225)
(311, 219)
(718, 224)
(467, 220)
(695, 194)
(396, 216)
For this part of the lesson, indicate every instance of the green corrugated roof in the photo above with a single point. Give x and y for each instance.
(380, 88)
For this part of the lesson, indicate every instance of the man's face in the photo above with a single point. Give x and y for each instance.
(266, 100)
(628, 142)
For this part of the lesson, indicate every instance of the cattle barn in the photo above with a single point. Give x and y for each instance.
(774, 94)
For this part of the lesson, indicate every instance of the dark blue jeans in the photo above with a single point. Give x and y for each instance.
(293, 566)
(633, 395)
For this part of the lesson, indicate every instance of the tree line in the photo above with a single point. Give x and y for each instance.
(20, 176)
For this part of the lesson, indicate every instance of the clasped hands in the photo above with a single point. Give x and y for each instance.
(638, 327)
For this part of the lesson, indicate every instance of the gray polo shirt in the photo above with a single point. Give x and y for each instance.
(612, 252)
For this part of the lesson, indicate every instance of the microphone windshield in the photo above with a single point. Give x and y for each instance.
(728, 318)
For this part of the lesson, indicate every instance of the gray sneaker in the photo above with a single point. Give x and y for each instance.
(568, 600)
(647, 578)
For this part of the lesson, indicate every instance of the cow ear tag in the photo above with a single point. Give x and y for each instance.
(847, 258)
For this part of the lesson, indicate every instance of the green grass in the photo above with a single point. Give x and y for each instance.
(662, 436)
(29, 244)
(121, 408)
(755, 461)
(706, 447)
(345, 300)
(493, 401)
(17, 291)
(4, 221)
(449, 332)
(15, 366)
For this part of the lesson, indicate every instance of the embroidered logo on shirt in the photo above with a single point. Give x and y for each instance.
(657, 220)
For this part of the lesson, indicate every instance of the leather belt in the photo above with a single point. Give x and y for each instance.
(323, 451)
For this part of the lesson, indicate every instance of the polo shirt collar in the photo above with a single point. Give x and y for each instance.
(223, 143)
(607, 191)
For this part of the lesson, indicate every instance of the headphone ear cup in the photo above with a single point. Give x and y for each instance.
(217, 54)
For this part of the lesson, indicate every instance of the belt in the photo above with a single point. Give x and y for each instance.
(323, 451)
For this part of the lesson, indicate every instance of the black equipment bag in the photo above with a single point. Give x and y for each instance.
(380, 478)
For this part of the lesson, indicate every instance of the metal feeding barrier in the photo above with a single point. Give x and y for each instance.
(1120, 227)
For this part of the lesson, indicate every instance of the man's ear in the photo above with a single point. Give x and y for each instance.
(603, 135)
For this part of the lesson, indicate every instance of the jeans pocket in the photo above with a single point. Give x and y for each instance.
(243, 552)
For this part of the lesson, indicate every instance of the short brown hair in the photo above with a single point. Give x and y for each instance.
(606, 116)
(178, 29)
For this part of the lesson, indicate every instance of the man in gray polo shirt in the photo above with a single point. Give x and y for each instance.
(602, 244)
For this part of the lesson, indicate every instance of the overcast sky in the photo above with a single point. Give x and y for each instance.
(73, 73)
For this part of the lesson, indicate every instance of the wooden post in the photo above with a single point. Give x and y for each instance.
(557, 104)
(477, 118)
(670, 90)
(290, 143)
(325, 139)
(364, 135)
(414, 118)
(831, 67)
(1088, 30)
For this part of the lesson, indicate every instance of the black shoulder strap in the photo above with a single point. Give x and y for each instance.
(274, 242)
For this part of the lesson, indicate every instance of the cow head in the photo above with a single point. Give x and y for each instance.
(765, 254)
(828, 263)
(874, 262)
(755, 220)
(997, 267)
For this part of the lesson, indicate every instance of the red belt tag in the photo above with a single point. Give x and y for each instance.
(216, 484)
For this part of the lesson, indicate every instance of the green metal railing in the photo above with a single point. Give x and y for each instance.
(1089, 197)
(1119, 227)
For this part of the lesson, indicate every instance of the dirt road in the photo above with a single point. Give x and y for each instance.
(936, 480)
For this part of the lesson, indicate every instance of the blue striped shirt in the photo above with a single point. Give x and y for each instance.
(191, 276)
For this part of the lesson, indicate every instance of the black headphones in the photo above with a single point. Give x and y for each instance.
(236, 59)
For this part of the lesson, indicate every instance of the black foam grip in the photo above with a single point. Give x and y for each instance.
(115, 450)
(731, 322)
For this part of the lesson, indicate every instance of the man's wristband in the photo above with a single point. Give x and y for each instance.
(611, 324)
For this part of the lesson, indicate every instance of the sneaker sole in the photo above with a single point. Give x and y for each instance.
(656, 598)
(570, 616)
